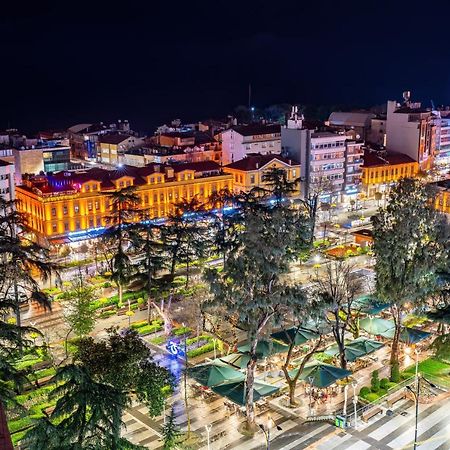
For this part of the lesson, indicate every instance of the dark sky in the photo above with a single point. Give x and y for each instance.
(66, 62)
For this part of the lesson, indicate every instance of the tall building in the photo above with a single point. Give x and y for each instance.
(411, 129)
(7, 185)
(112, 147)
(241, 140)
(442, 159)
(360, 121)
(327, 159)
(74, 205)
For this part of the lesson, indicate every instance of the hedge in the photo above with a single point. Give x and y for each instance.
(158, 340)
(199, 351)
(106, 314)
(181, 330)
(202, 337)
(43, 373)
(148, 329)
(371, 397)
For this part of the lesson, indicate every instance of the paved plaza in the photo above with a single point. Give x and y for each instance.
(381, 433)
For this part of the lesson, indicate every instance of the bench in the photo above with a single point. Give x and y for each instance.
(366, 415)
(396, 396)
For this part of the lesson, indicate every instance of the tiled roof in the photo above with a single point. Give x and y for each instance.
(372, 159)
(201, 166)
(113, 139)
(257, 129)
(255, 162)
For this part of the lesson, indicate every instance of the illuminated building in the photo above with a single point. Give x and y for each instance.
(411, 129)
(443, 196)
(330, 159)
(111, 147)
(241, 140)
(7, 185)
(381, 169)
(248, 172)
(74, 203)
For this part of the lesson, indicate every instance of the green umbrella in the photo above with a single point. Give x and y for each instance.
(214, 373)
(323, 375)
(376, 326)
(408, 335)
(265, 348)
(295, 335)
(238, 360)
(369, 305)
(351, 354)
(236, 391)
(365, 345)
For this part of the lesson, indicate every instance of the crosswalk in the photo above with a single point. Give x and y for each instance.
(394, 432)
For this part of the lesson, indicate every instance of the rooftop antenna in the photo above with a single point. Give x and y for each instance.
(249, 95)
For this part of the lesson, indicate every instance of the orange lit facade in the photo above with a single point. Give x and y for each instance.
(248, 172)
(380, 171)
(443, 196)
(69, 203)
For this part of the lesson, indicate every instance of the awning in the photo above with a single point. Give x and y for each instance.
(295, 335)
(351, 354)
(376, 326)
(369, 305)
(366, 345)
(236, 391)
(323, 375)
(238, 360)
(215, 373)
(265, 348)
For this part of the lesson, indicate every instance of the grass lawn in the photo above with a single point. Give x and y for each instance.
(431, 366)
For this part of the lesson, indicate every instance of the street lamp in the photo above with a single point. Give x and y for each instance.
(416, 399)
(355, 400)
(344, 411)
(266, 430)
(310, 379)
(208, 431)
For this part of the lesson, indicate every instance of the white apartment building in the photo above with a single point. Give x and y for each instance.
(239, 141)
(328, 159)
(442, 159)
(7, 186)
(411, 129)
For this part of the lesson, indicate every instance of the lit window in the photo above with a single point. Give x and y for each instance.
(54, 228)
(53, 212)
(252, 179)
(64, 209)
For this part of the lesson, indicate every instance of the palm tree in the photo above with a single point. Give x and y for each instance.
(118, 235)
(88, 414)
(22, 262)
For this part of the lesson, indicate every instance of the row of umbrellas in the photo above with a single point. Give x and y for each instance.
(230, 383)
(386, 328)
(356, 348)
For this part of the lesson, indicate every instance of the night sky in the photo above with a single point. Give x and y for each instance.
(66, 62)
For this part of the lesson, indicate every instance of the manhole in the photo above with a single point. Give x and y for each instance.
(342, 434)
(403, 413)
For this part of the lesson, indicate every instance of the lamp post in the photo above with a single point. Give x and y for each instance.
(415, 393)
(208, 431)
(355, 401)
(310, 379)
(344, 411)
(266, 429)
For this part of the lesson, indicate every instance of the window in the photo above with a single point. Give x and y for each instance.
(128, 183)
(53, 212)
(97, 205)
(121, 184)
(155, 198)
(66, 226)
(77, 225)
(252, 179)
(91, 223)
(54, 228)
(94, 187)
(76, 208)
(161, 197)
(87, 188)
(89, 206)
(65, 210)
(159, 179)
(294, 173)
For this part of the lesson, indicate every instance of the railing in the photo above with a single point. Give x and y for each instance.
(440, 382)
(380, 400)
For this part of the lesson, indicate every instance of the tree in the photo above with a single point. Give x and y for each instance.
(148, 244)
(88, 414)
(22, 262)
(278, 185)
(292, 380)
(311, 202)
(378, 197)
(170, 432)
(339, 287)
(184, 235)
(251, 289)
(125, 361)
(410, 239)
(78, 313)
(119, 235)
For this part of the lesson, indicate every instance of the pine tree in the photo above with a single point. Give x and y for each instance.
(170, 432)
